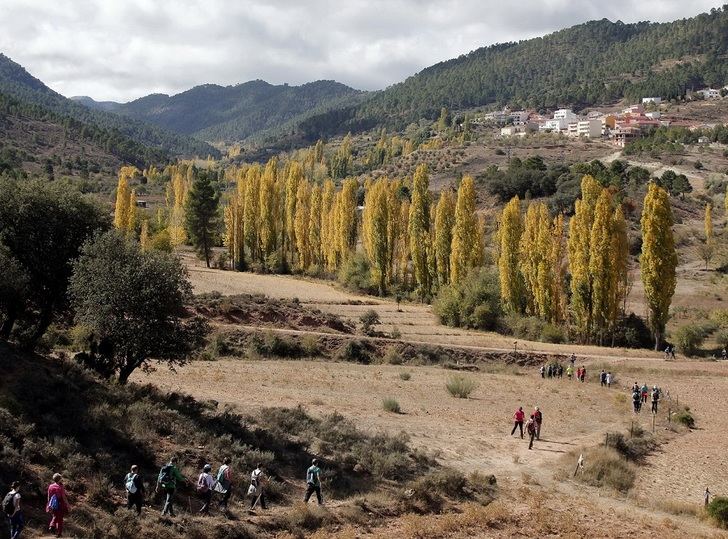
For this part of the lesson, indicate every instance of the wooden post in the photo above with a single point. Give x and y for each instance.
(654, 415)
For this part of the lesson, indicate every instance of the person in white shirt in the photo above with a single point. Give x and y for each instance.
(205, 484)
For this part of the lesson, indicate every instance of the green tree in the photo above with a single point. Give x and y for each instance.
(134, 303)
(202, 214)
(419, 228)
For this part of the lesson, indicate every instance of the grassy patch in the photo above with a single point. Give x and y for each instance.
(460, 386)
(717, 509)
(391, 405)
(405, 376)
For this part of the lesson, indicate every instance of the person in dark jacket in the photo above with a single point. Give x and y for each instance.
(134, 489)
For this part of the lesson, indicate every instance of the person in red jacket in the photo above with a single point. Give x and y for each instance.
(57, 505)
(518, 420)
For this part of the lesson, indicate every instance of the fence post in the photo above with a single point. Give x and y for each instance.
(669, 415)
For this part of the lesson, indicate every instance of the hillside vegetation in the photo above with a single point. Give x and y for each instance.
(131, 140)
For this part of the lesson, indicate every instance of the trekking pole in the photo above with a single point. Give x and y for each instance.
(256, 501)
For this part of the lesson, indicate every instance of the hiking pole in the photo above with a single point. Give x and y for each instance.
(256, 501)
(579, 463)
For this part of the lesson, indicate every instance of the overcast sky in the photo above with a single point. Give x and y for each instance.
(124, 49)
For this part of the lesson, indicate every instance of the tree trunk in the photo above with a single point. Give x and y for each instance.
(8, 323)
(46, 316)
(126, 370)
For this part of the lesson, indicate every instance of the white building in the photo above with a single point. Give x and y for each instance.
(654, 115)
(518, 117)
(709, 93)
(553, 125)
(585, 128)
(654, 100)
(565, 114)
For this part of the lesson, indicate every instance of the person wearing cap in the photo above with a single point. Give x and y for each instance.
(205, 484)
(538, 418)
(57, 505)
(655, 398)
(313, 482)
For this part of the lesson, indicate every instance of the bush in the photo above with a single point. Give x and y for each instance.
(632, 332)
(356, 275)
(689, 338)
(368, 320)
(684, 417)
(472, 303)
(391, 405)
(392, 356)
(722, 338)
(525, 327)
(718, 511)
(553, 334)
(354, 351)
(460, 386)
(603, 466)
(405, 376)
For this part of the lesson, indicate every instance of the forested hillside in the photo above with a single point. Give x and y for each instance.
(229, 113)
(31, 94)
(591, 63)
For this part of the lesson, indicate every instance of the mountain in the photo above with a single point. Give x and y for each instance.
(130, 139)
(232, 113)
(86, 101)
(592, 63)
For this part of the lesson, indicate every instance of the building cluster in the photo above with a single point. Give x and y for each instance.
(618, 127)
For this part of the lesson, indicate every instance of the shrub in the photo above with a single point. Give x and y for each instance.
(391, 405)
(310, 345)
(354, 351)
(718, 511)
(722, 338)
(405, 376)
(396, 333)
(356, 275)
(460, 386)
(603, 466)
(472, 303)
(392, 356)
(553, 334)
(684, 417)
(368, 320)
(689, 338)
(632, 332)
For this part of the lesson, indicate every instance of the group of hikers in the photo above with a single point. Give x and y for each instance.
(168, 480)
(640, 395)
(556, 370)
(533, 425)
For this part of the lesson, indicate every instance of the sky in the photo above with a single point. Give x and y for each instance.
(124, 49)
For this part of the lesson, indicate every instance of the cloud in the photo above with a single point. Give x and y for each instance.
(123, 49)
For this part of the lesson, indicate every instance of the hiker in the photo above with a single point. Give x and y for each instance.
(723, 353)
(57, 505)
(542, 371)
(518, 420)
(578, 374)
(655, 399)
(583, 373)
(609, 379)
(672, 352)
(313, 482)
(706, 496)
(168, 477)
(531, 429)
(667, 352)
(134, 489)
(645, 392)
(256, 490)
(538, 418)
(635, 388)
(602, 378)
(572, 359)
(224, 483)
(561, 370)
(549, 371)
(205, 484)
(636, 401)
(11, 507)
(569, 371)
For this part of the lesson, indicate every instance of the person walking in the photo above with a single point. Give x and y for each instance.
(57, 505)
(672, 352)
(609, 379)
(645, 392)
(706, 496)
(602, 378)
(569, 372)
(205, 485)
(572, 360)
(578, 374)
(168, 477)
(655, 399)
(583, 374)
(538, 418)
(11, 507)
(224, 483)
(542, 370)
(636, 401)
(134, 489)
(258, 480)
(561, 370)
(531, 430)
(518, 420)
(313, 482)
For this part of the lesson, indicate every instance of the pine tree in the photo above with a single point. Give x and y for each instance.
(510, 229)
(301, 224)
(419, 228)
(658, 260)
(201, 214)
(444, 223)
(465, 232)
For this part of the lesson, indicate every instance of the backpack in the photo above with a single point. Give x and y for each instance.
(202, 486)
(9, 503)
(130, 484)
(54, 503)
(165, 474)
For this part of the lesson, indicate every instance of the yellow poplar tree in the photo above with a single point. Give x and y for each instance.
(444, 223)
(579, 246)
(346, 229)
(251, 212)
(328, 233)
(658, 260)
(601, 269)
(268, 208)
(402, 252)
(510, 229)
(375, 221)
(314, 225)
(144, 236)
(419, 228)
(121, 211)
(620, 261)
(176, 196)
(558, 265)
(465, 232)
(295, 175)
(394, 229)
(301, 223)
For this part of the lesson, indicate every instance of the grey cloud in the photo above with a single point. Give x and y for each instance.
(122, 49)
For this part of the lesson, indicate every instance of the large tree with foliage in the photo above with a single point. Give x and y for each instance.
(134, 304)
(202, 214)
(659, 258)
(42, 229)
(419, 228)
